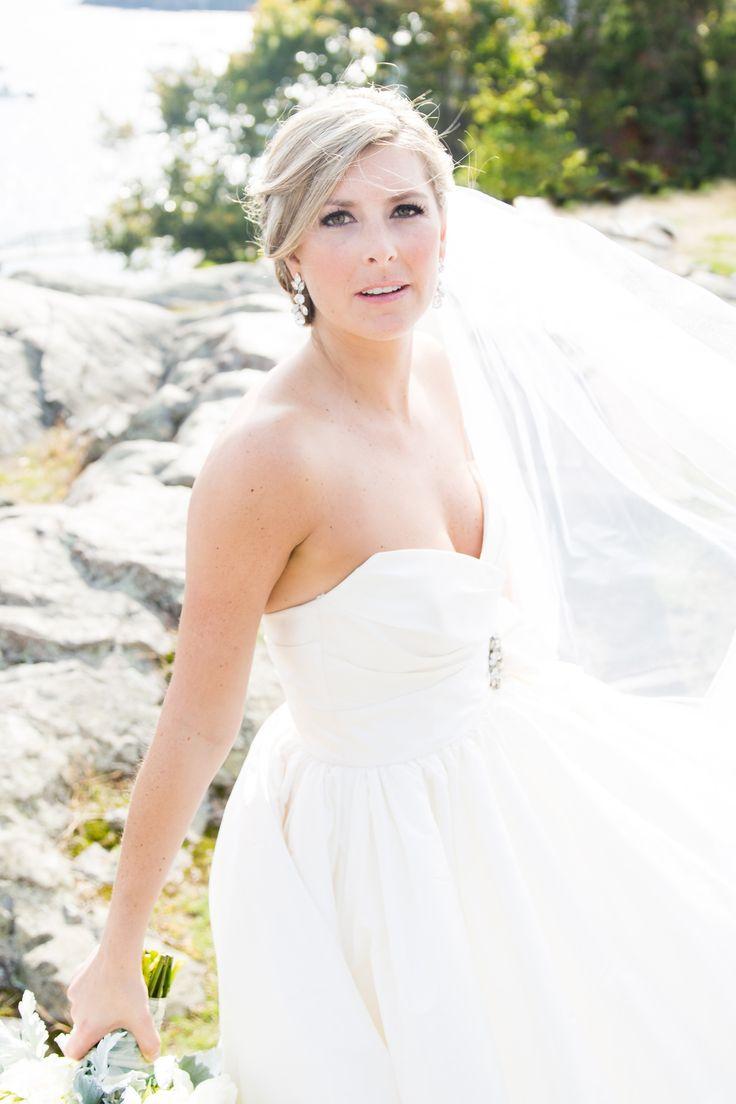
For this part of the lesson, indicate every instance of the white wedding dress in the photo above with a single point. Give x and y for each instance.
(431, 889)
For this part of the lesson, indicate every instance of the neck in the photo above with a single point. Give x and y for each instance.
(373, 374)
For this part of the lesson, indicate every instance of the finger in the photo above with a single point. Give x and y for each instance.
(76, 1044)
(148, 1039)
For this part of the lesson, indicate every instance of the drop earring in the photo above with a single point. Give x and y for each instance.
(298, 309)
(439, 290)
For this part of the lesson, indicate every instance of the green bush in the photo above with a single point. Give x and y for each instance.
(572, 99)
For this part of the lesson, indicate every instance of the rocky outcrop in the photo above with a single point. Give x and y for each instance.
(107, 362)
(64, 356)
(91, 587)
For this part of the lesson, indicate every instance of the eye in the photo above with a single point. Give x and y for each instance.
(413, 207)
(328, 219)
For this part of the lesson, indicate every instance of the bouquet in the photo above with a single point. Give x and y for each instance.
(114, 1071)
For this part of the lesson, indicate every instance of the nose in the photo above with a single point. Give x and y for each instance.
(382, 256)
(382, 249)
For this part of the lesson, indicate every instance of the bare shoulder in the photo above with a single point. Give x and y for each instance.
(271, 435)
(256, 496)
(250, 505)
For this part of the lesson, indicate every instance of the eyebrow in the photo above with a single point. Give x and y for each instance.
(390, 199)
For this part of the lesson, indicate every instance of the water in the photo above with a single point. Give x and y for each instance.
(77, 61)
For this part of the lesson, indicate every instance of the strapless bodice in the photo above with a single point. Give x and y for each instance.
(394, 659)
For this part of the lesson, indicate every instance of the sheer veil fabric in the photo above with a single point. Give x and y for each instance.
(599, 396)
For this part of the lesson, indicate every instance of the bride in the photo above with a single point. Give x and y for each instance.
(486, 518)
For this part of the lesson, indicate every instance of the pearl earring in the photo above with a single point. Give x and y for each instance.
(298, 309)
(439, 290)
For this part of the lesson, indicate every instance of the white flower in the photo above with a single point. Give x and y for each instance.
(40, 1080)
(33, 1030)
(163, 1069)
(31, 1041)
(169, 1076)
(130, 1096)
(179, 1095)
(215, 1090)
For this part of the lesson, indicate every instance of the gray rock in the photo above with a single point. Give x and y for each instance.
(64, 355)
(116, 817)
(129, 539)
(91, 587)
(121, 461)
(103, 427)
(214, 284)
(47, 966)
(725, 286)
(228, 342)
(26, 858)
(49, 610)
(159, 418)
(230, 385)
(96, 862)
(81, 717)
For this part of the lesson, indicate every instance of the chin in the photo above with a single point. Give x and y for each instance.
(391, 325)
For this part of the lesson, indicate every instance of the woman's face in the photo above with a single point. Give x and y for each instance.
(368, 235)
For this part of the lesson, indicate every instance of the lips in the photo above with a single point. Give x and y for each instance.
(385, 294)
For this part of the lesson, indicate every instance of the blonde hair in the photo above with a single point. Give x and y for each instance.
(309, 153)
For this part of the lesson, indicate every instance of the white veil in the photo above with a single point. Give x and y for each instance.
(599, 395)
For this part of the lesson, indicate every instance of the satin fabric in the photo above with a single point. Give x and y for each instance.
(426, 889)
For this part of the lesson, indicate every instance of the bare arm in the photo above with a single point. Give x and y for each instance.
(249, 508)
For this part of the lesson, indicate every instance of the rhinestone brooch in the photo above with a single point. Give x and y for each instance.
(495, 661)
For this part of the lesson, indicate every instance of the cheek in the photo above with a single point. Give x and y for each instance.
(421, 251)
(335, 261)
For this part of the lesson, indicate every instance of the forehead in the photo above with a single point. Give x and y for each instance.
(383, 171)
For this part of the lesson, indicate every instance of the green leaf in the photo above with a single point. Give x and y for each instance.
(196, 1069)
